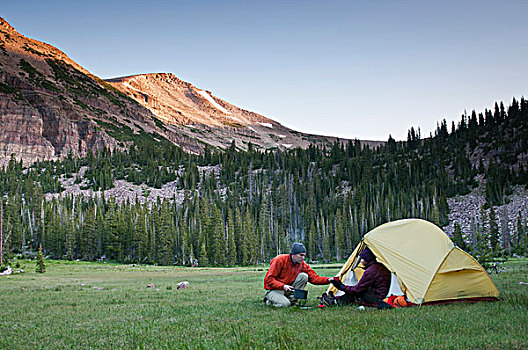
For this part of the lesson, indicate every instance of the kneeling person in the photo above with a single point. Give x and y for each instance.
(288, 272)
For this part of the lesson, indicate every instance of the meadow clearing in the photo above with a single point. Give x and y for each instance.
(81, 305)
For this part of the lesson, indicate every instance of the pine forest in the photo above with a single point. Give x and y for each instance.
(244, 207)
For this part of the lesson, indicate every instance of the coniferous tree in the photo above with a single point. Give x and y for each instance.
(165, 231)
(41, 266)
(311, 242)
(493, 230)
(88, 246)
(202, 258)
(231, 247)
(457, 237)
(218, 237)
(339, 236)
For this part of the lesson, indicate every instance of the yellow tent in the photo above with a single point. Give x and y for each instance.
(426, 265)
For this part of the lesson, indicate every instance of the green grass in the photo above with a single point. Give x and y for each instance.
(106, 306)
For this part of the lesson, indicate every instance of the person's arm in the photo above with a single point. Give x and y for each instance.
(313, 277)
(272, 275)
(366, 281)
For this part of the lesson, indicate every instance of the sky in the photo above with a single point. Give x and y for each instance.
(353, 69)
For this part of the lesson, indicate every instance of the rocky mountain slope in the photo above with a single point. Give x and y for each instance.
(198, 114)
(50, 107)
(468, 211)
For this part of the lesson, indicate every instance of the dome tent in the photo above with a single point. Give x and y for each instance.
(426, 265)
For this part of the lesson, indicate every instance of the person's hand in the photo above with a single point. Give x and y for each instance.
(288, 288)
(337, 283)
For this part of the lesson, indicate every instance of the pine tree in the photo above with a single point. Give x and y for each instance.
(231, 247)
(41, 266)
(165, 231)
(493, 230)
(89, 237)
(202, 258)
(70, 237)
(339, 236)
(218, 237)
(457, 237)
(482, 252)
(325, 242)
(522, 236)
(311, 243)
(247, 226)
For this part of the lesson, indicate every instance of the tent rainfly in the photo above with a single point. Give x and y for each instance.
(426, 265)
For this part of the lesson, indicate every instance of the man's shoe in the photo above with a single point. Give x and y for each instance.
(328, 300)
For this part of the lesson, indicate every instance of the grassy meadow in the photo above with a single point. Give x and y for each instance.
(105, 306)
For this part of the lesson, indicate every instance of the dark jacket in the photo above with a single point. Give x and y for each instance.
(377, 277)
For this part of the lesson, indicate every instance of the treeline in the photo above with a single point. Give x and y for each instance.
(244, 207)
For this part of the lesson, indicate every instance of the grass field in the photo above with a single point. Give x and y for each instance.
(105, 306)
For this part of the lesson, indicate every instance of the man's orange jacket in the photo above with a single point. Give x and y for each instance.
(283, 271)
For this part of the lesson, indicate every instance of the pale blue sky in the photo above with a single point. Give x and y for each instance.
(354, 69)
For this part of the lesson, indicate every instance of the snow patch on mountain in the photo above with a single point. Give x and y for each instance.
(235, 118)
(133, 88)
(208, 97)
(267, 125)
(159, 115)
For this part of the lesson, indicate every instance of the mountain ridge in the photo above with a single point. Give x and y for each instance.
(198, 113)
(50, 107)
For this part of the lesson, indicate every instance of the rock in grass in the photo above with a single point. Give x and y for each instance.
(183, 285)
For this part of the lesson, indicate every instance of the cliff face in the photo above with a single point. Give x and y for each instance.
(50, 106)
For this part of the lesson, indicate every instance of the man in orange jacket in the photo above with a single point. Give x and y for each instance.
(288, 272)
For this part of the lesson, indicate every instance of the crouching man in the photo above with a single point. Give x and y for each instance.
(288, 272)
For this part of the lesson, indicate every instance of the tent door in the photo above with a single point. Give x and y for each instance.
(395, 286)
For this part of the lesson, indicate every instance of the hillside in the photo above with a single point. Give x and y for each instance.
(199, 114)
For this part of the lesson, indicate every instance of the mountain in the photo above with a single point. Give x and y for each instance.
(199, 114)
(50, 107)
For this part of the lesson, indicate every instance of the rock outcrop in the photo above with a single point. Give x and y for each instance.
(468, 211)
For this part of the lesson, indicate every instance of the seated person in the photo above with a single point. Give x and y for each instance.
(371, 288)
(288, 272)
